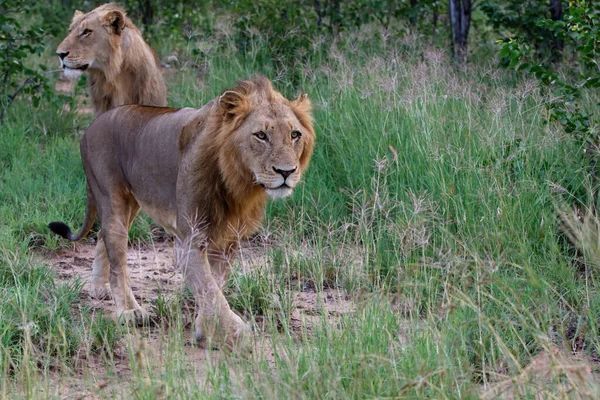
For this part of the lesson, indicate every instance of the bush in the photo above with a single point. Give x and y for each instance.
(579, 29)
(17, 43)
(521, 17)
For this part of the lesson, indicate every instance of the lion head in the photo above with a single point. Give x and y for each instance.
(269, 137)
(121, 67)
(94, 40)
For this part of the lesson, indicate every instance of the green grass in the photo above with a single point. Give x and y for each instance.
(430, 200)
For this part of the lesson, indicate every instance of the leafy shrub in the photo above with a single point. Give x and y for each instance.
(580, 29)
(17, 44)
(521, 19)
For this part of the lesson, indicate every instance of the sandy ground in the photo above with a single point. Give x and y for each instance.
(152, 272)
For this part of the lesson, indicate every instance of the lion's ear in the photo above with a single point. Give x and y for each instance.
(302, 107)
(302, 103)
(233, 104)
(115, 20)
(77, 14)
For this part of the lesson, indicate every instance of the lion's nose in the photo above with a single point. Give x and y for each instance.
(62, 54)
(284, 172)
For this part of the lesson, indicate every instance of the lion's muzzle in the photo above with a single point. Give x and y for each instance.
(282, 183)
(67, 64)
(62, 54)
(285, 172)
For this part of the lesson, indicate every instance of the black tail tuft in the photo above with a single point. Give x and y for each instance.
(62, 229)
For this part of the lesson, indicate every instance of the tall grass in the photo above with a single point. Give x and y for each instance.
(430, 200)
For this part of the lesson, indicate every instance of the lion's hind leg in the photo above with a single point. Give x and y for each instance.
(100, 279)
(99, 282)
(116, 221)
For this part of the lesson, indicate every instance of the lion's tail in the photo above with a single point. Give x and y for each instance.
(62, 229)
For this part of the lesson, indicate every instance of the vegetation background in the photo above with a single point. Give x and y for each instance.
(451, 198)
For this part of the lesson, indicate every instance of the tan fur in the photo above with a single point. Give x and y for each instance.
(205, 175)
(121, 67)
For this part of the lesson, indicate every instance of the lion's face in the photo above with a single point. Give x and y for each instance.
(274, 138)
(93, 41)
(272, 144)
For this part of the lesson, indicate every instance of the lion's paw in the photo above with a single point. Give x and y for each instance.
(230, 333)
(239, 337)
(137, 316)
(100, 291)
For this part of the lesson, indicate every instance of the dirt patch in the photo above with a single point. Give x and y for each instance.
(150, 268)
(153, 274)
(551, 374)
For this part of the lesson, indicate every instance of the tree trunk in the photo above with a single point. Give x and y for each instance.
(460, 21)
(434, 25)
(556, 14)
(319, 11)
(335, 16)
(556, 10)
(412, 13)
(147, 11)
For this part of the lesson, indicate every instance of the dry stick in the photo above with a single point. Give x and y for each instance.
(12, 98)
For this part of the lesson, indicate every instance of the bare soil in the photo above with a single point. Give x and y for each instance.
(552, 373)
(152, 273)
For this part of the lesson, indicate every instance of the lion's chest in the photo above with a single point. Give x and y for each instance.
(164, 217)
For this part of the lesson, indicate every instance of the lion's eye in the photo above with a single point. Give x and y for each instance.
(86, 32)
(261, 135)
(296, 134)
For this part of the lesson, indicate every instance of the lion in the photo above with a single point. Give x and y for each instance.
(203, 174)
(121, 67)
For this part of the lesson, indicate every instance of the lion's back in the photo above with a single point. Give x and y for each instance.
(135, 126)
(135, 146)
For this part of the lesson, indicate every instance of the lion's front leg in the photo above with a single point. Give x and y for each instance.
(215, 322)
(220, 266)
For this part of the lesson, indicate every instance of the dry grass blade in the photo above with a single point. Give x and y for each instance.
(583, 231)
